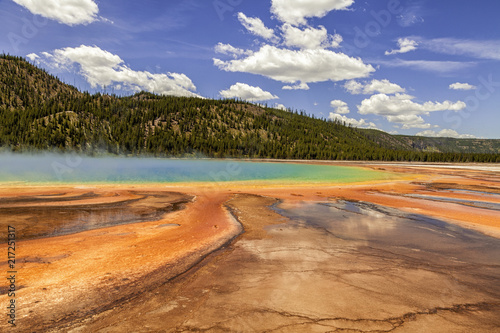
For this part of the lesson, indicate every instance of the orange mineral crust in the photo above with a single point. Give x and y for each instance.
(64, 277)
(84, 253)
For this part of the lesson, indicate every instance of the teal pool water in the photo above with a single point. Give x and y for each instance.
(75, 169)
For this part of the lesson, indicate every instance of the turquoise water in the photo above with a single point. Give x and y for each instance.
(75, 169)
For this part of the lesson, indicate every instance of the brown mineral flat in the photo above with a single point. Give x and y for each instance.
(183, 267)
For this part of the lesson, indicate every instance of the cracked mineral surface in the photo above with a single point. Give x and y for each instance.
(373, 257)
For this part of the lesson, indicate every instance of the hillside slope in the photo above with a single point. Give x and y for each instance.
(23, 85)
(38, 112)
(433, 144)
(445, 145)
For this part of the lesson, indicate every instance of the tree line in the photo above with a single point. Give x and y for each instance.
(38, 112)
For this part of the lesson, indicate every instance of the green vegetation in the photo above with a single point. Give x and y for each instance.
(39, 112)
(432, 144)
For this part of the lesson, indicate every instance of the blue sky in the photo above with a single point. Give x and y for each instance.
(403, 66)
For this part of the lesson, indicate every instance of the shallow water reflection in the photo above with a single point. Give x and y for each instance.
(331, 267)
(416, 236)
(473, 203)
(55, 215)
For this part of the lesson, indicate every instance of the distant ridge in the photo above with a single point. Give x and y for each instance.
(38, 112)
(434, 144)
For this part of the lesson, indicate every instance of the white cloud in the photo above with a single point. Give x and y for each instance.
(70, 12)
(339, 106)
(405, 45)
(352, 121)
(335, 40)
(462, 86)
(380, 86)
(102, 68)
(247, 93)
(299, 86)
(382, 104)
(230, 50)
(449, 133)
(47, 55)
(429, 65)
(401, 109)
(482, 49)
(309, 37)
(354, 87)
(32, 56)
(292, 66)
(296, 11)
(408, 121)
(280, 107)
(257, 27)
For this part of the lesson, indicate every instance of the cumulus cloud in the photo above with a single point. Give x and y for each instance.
(255, 26)
(33, 56)
(309, 37)
(102, 68)
(67, 12)
(299, 86)
(367, 88)
(401, 109)
(447, 133)
(405, 45)
(354, 87)
(292, 66)
(230, 50)
(301, 54)
(352, 121)
(462, 86)
(280, 107)
(407, 121)
(339, 106)
(296, 11)
(247, 93)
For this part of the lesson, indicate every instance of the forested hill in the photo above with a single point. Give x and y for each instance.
(433, 144)
(39, 112)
